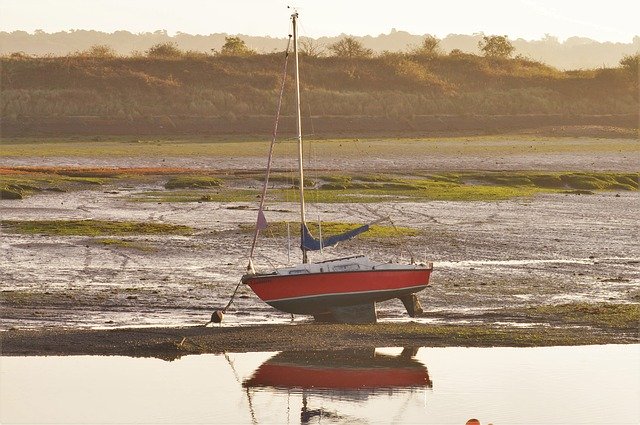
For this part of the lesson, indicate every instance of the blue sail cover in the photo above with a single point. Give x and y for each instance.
(310, 243)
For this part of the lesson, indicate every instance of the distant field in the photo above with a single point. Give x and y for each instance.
(325, 148)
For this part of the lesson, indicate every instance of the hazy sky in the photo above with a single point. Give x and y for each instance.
(611, 20)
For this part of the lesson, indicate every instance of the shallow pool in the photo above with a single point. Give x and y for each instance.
(559, 385)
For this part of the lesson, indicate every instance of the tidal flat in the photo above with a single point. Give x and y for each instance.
(526, 254)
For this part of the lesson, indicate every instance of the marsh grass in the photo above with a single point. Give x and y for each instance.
(11, 192)
(619, 316)
(20, 182)
(416, 187)
(193, 182)
(92, 228)
(480, 186)
(185, 185)
(550, 180)
(279, 229)
(427, 192)
(19, 186)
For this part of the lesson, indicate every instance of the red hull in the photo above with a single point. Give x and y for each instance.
(349, 370)
(292, 376)
(316, 293)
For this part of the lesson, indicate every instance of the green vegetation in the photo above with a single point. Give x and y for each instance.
(631, 63)
(19, 182)
(20, 185)
(353, 194)
(464, 186)
(279, 229)
(97, 51)
(424, 192)
(192, 182)
(164, 51)
(185, 185)
(616, 316)
(11, 192)
(235, 46)
(496, 46)
(479, 335)
(557, 180)
(92, 228)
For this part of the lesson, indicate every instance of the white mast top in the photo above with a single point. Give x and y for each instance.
(294, 20)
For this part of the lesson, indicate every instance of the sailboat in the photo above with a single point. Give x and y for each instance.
(341, 290)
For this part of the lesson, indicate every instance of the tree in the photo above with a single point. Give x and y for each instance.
(19, 55)
(430, 47)
(164, 50)
(310, 47)
(98, 51)
(349, 47)
(496, 46)
(631, 63)
(235, 46)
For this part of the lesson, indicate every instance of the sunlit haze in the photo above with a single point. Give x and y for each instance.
(614, 20)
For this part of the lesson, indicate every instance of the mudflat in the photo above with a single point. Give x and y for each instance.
(521, 257)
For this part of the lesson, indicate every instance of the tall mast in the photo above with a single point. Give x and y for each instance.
(294, 20)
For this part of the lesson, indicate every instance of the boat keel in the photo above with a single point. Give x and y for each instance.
(354, 314)
(412, 304)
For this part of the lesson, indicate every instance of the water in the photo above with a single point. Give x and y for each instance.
(559, 385)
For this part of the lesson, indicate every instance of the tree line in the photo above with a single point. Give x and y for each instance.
(343, 78)
(347, 47)
(572, 53)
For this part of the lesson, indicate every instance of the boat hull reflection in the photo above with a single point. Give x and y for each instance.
(341, 371)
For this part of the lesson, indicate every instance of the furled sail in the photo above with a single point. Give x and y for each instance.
(310, 243)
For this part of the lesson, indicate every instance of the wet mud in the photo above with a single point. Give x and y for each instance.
(489, 258)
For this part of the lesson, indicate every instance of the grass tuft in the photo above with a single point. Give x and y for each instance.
(619, 316)
(329, 228)
(192, 182)
(93, 228)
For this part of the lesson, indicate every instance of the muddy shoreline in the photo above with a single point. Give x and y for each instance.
(170, 343)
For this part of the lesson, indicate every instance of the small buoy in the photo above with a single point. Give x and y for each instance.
(216, 316)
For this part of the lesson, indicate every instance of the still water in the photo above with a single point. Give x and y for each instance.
(559, 385)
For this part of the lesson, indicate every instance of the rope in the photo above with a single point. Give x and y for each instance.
(273, 142)
(403, 240)
(235, 291)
